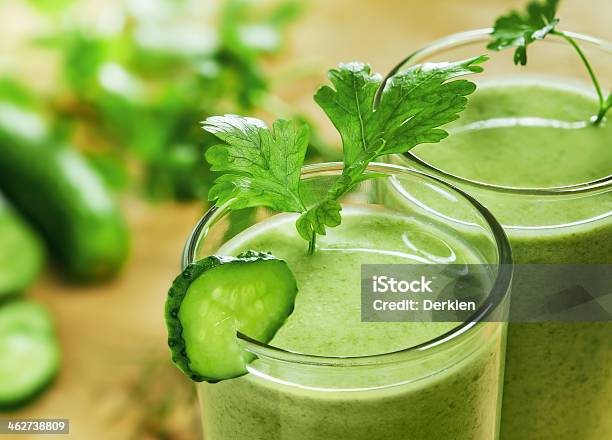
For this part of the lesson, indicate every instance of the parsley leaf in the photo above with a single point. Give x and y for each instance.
(521, 29)
(262, 167)
(413, 104)
(314, 221)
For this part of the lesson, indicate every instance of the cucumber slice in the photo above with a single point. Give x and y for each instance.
(21, 253)
(214, 298)
(29, 352)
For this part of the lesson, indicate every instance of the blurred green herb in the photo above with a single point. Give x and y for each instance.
(51, 6)
(135, 93)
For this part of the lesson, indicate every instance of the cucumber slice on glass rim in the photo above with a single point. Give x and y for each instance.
(216, 297)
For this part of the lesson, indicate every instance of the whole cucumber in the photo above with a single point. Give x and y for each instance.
(54, 186)
(21, 252)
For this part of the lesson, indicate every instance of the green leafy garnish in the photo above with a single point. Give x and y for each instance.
(262, 166)
(520, 29)
(413, 104)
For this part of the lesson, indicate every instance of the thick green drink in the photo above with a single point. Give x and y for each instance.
(328, 375)
(526, 150)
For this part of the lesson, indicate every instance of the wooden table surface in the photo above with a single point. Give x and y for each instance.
(113, 335)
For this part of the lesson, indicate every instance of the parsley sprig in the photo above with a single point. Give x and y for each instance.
(262, 165)
(520, 29)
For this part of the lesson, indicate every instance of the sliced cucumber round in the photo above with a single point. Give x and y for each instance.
(29, 352)
(21, 253)
(215, 298)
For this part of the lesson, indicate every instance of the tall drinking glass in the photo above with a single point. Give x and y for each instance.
(328, 375)
(524, 148)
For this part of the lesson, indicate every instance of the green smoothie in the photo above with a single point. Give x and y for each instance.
(558, 383)
(451, 394)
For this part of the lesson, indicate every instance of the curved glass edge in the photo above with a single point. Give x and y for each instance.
(477, 35)
(499, 290)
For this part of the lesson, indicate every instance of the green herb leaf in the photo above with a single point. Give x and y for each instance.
(519, 29)
(349, 106)
(314, 221)
(413, 104)
(261, 166)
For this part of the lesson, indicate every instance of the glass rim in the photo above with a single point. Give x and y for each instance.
(498, 292)
(472, 36)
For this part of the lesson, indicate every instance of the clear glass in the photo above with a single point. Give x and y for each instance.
(558, 382)
(447, 387)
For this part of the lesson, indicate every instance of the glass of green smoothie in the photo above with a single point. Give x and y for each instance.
(328, 375)
(526, 149)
